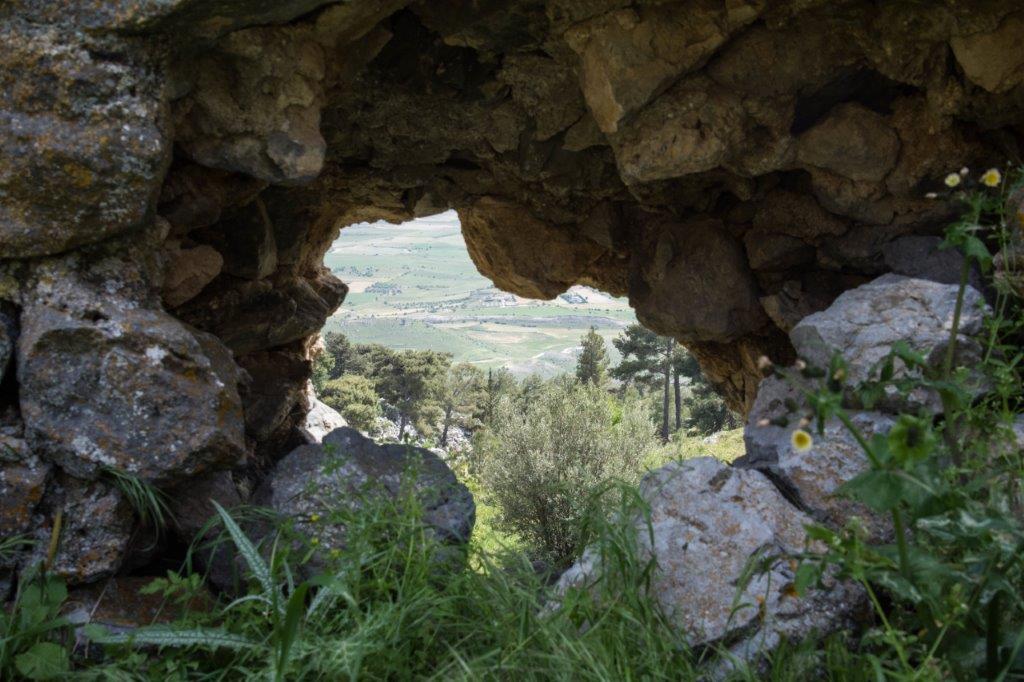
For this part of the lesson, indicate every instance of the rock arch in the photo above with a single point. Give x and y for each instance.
(171, 174)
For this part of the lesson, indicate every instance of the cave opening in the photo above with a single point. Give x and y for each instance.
(174, 174)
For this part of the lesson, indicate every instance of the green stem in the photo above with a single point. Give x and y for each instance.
(855, 432)
(992, 617)
(901, 542)
(947, 365)
(965, 273)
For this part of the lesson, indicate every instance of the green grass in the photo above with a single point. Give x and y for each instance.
(724, 445)
(394, 607)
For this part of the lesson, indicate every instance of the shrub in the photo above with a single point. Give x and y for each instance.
(355, 398)
(539, 464)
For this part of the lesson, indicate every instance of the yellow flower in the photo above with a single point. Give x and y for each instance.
(992, 178)
(952, 180)
(314, 541)
(314, 517)
(801, 440)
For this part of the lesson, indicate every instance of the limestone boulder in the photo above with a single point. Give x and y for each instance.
(630, 55)
(338, 474)
(852, 141)
(192, 507)
(922, 258)
(251, 315)
(811, 479)
(254, 106)
(993, 59)
(126, 387)
(863, 324)
(522, 254)
(321, 418)
(696, 260)
(709, 521)
(277, 386)
(188, 271)
(545, 87)
(83, 140)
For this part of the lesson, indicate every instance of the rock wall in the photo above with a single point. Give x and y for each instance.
(172, 172)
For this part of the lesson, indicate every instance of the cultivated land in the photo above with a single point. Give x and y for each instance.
(414, 286)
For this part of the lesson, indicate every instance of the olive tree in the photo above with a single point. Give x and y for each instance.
(541, 464)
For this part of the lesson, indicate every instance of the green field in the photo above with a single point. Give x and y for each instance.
(414, 286)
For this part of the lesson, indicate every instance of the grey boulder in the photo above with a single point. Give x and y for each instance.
(710, 523)
(864, 324)
(347, 470)
(129, 388)
(811, 479)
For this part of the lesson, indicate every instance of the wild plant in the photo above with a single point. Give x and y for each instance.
(948, 590)
(33, 634)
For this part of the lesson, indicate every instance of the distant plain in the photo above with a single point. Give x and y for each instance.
(414, 285)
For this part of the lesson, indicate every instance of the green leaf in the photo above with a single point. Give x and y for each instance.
(910, 357)
(888, 368)
(898, 585)
(881, 490)
(911, 439)
(807, 574)
(258, 567)
(165, 635)
(44, 661)
(976, 249)
(290, 631)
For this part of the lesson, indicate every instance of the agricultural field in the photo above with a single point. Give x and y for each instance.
(414, 286)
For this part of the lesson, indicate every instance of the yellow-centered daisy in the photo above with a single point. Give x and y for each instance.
(992, 178)
(801, 440)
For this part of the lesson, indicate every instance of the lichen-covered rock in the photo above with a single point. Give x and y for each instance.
(22, 484)
(255, 105)
(708, 522)
(125, 387)
(314, 479)
(811, 479)
(83, 140)
(96, 527)
(852, 141)
(864, 323)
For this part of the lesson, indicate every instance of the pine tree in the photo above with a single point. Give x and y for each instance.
(592, 364)
(642, 362)
(459, 393)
